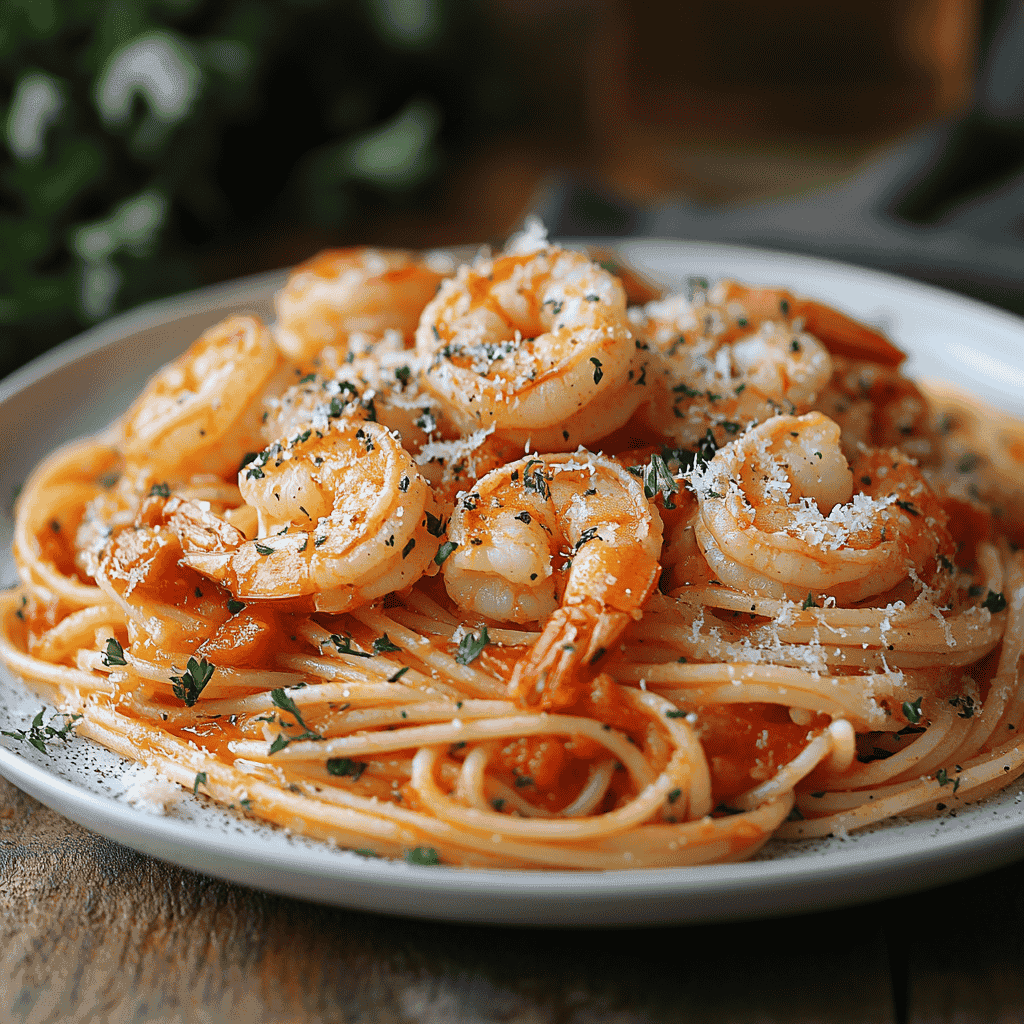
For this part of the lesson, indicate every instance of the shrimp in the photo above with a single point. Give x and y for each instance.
(343, 516)
(201, 413)
(535, 344)
(708, 377)
(169, 606)
(340, 292)
(782, 514)
(568, 540)
(731, 309)
(385, 388)
(876, 406)
(380, 382)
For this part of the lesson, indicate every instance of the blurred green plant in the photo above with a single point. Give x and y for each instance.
(137, 131)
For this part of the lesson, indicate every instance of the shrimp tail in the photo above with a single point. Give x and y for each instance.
(844, 336)
(565, 657)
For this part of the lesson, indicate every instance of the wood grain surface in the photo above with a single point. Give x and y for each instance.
(91, 931)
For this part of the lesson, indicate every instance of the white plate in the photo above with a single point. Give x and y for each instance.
(84, 384)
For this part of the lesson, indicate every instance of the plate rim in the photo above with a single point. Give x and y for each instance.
(718, 892)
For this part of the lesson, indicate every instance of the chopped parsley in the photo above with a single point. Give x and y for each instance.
(200, 781)
(344, 645)
(191, 683)
(113, 654)
(994, 602)
(471, 645)
(444, 551)
(598, 372)
(383, 644)
(658, 479)
(39, 734)
(435, 527)
(912, 711)
(426, 856)
(965, 706)
(534, 479)
(285, 703)
(346, 767)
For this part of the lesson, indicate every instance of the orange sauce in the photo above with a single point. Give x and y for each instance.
(250, 638)
(745, 744)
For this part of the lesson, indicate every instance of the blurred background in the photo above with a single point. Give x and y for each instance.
(151, 146)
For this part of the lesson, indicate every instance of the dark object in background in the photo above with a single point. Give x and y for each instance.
(139, 135)
(946, 205)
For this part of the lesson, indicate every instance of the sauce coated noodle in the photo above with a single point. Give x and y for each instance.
(550, 581)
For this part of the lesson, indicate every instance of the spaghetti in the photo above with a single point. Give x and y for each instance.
(570, 584)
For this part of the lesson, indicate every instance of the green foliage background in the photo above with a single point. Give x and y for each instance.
(136, 132)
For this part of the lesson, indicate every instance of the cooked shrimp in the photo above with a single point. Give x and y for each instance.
(201, 413)
(569, 540)
(381, 383)
(341, 292)
(169, 606)
(781, 513)
(706, 377)
(731, 309)
(314, 402)
(876, 406)
(343, 515)
(386, 389)
(535, 344)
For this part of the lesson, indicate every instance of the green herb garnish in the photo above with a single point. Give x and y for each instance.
(344, 645)
(113, 654)
(346, 767)
(426, 856)
(192, 681)
(912, 711)
(471, 645)
(38, 734)
(444, 551)
(383, 645)
(285, 703)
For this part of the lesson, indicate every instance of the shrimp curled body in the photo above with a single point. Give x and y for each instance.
(341, 292)
(203, 410)
(343, 515)
(709, 376)
(569, 540)
(536, 345)
(781, 513)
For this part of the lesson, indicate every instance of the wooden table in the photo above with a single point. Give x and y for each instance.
(92, 931)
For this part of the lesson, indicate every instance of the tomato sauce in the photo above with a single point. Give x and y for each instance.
(746, 744)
